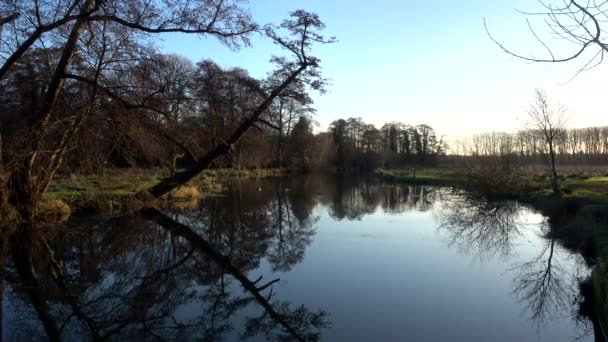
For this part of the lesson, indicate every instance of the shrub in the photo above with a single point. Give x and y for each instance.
(496, 175)
(186, 192)
(53, 211)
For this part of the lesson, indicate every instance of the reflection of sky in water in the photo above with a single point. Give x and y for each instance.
(394, 273)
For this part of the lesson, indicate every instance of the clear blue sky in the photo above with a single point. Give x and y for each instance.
(422, 62)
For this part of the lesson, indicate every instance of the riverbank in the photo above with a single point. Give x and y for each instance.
(113, 190)
(423, 176)
(590, 186)
(579, 213)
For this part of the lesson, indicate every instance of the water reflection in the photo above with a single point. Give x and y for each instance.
(143, 277)
(212, 269)
(354, 198)
(544, 286)
(487, 229)
(296, 323)
(476, 225)
(255, 221)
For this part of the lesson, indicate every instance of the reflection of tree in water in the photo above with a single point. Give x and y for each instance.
(547, 288)
(131, 278)
(401, 198)
(488, 228)
(294, 228)
(352, 199)
(544, 286)
(271, 220)
(298, 323)
(478, 226)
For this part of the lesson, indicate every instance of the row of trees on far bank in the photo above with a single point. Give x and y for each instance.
(363, 146)
(572, 145)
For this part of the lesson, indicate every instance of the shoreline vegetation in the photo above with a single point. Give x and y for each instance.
(114, 191)
(111, 190)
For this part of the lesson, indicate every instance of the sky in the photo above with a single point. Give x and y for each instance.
(418, 62)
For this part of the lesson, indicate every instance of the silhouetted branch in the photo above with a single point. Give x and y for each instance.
(576, 23)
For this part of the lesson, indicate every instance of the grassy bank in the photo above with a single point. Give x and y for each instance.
(585, 186)
(578, 214)
(423, 176)
(113, 190)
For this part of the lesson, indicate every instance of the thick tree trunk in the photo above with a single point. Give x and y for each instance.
(25, 185)
(1, 294)
(8, 19)
(204, 162)
(57, 81)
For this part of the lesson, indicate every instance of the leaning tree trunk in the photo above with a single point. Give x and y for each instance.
(223, 148)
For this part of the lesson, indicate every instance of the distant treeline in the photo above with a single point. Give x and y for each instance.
(363, 146)
(576, 145)
(164, 110)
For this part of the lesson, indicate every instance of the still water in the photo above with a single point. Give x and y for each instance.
(313, 258)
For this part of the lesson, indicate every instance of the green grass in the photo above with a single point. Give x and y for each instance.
(421, 176)
(244, 173)
(574, 185)
(112, 190)
(113, 185)
(594, 189)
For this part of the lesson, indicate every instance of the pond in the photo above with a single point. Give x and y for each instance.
(307, 258)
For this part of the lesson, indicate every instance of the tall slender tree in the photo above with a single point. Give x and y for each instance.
(548, 122)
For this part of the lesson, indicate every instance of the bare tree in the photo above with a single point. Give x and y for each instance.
(304, 30)
(548, 122)
(582, 24)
